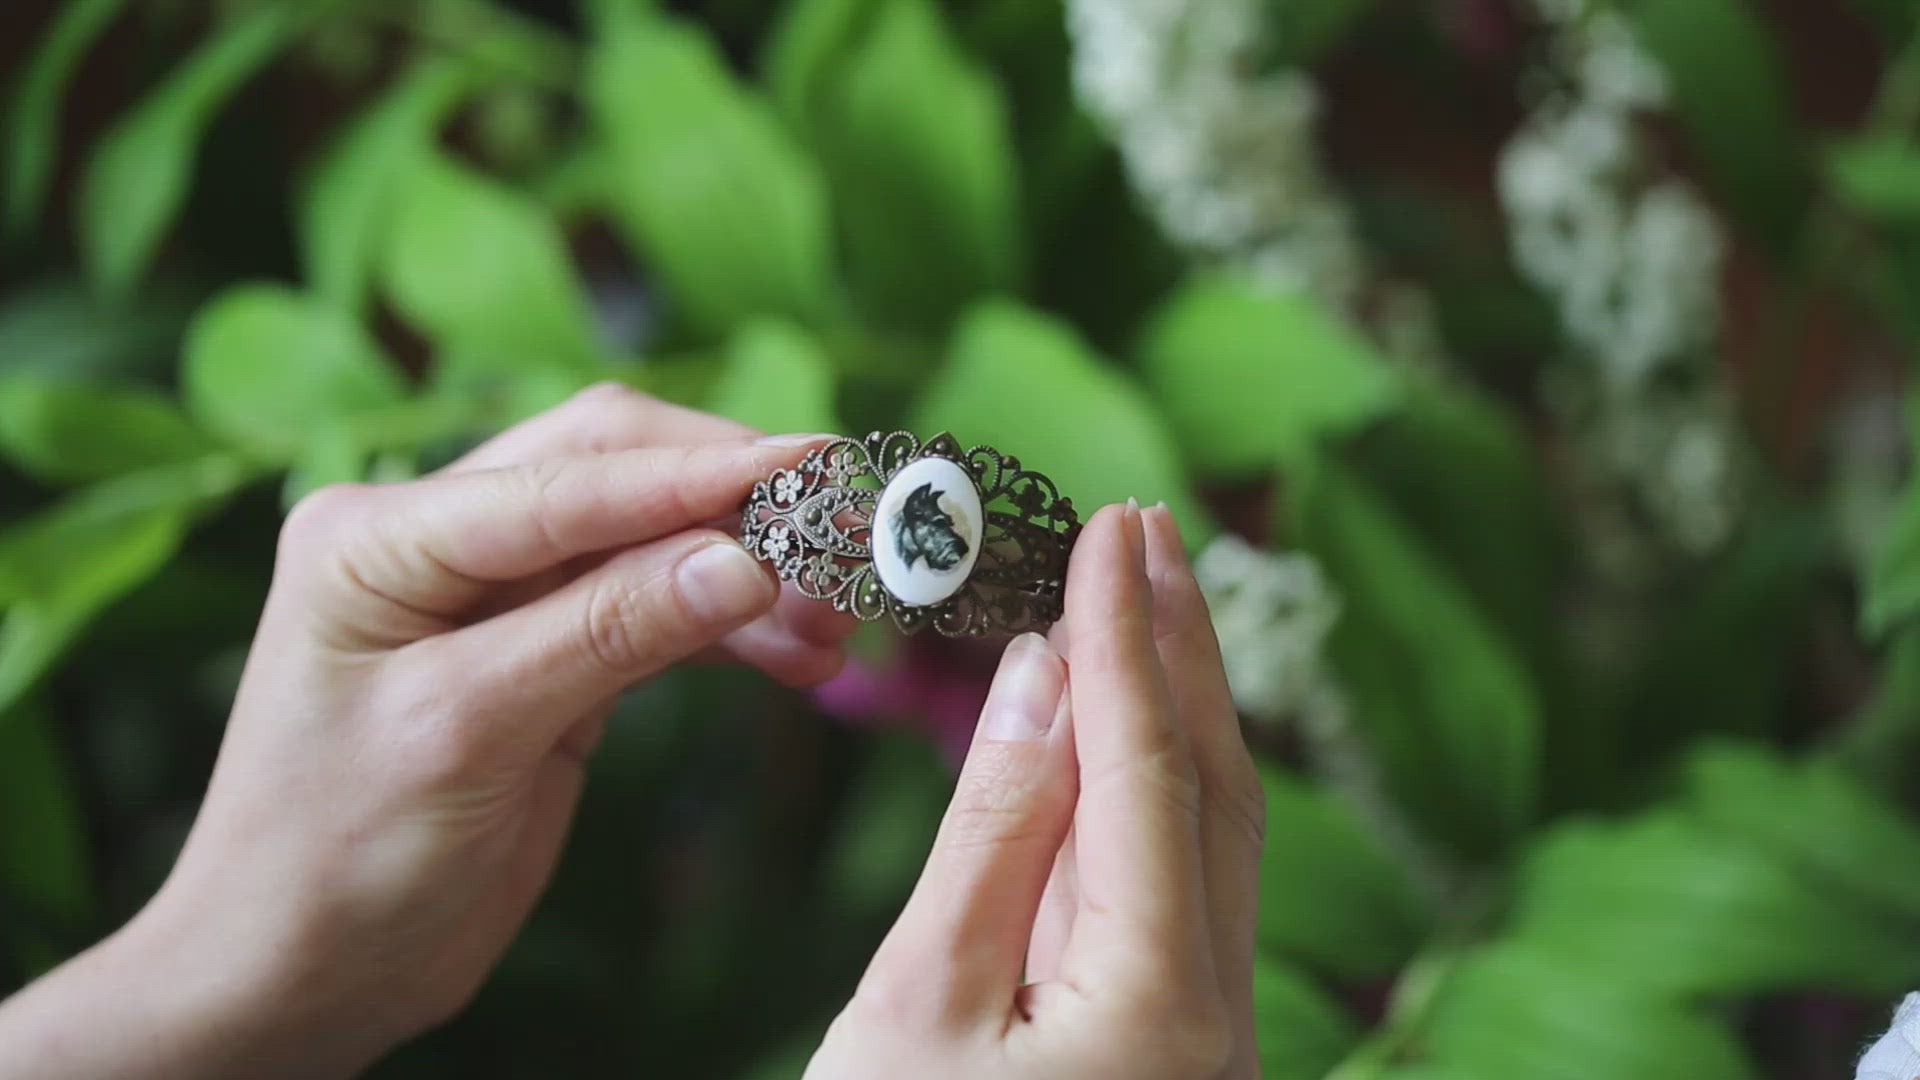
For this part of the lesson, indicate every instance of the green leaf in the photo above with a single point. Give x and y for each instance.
(348, 205)
(1026, 385)
(61, 567)
(807, 49)
(44, 861)
(1730, 90)
(1719, 661)
(1302, 1033)
(715, 195)
(137, 177)
(890, 817)
(59, 327)
(914, 137)
(518, 48)
(1893, 580)
(603, 15)
(1449, 711)
(1671, 906)
(1814, 819)
(503, 397)
(484, 272)
(1517, 1013)
(1879, 177)
(270, 369)
(65, 431)
(333, 456)
(1331, 895)
(1249, 378)
(1458, 470)
(776, 379)
(33, 120)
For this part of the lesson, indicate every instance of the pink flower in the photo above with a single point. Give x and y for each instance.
(932, 684)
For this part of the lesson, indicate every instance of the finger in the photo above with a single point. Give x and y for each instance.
(602, 418)
(965, 929)
(1142, 922)
(432, 548)
(533, 671)
(1233, 808)
(813, 621)
(799, 643)
(778, 652)
(1053, 926)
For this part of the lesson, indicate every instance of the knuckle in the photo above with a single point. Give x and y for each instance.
(667, 473)
(1170, 768)
(1163, 772)
(1241, 799)
(606, 392)
(607, 415)
(999, 801)
(612, 634)
(323, 511)
(540, 481)
(324, 534)
(541, 489)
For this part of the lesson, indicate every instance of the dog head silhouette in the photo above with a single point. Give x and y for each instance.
(924, 531)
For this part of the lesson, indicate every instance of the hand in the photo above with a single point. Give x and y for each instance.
(434, 664)
(1106, 849)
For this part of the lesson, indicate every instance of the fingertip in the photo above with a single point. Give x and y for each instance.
(1163, 535)
(1168, 568)
(722, 585)
(1025, 696)
(789, 660)
(1136, 536)
(813, 621)
(1107, 574)
(788, 442)
(812, 666)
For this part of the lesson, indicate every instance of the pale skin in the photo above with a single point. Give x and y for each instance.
(433, 668)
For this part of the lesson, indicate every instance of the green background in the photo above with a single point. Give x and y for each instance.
(252, 248)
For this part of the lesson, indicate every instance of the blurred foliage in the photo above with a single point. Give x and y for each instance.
(298, 243)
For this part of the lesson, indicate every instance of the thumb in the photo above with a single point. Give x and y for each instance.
(541, 666)
(963, 935)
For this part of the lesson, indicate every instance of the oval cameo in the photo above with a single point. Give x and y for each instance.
(926, 531)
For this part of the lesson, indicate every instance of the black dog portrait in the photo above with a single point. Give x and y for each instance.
(924, 531)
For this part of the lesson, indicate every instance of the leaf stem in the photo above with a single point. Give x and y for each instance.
(1413, 998)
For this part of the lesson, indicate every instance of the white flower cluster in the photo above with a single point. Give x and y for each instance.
(1633, 266)
(1221, 151)
(1272, 612)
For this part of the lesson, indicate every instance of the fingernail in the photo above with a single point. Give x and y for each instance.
(1026, 691)
(794, 440)
(1168, 532)
(1133, 504)
(1136, 534)
(722, 584)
